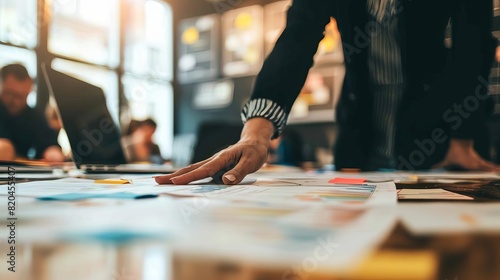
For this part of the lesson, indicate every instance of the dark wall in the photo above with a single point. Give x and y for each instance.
(187, 119)
(316, 135)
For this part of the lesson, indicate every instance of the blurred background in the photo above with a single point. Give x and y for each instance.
(188, 65)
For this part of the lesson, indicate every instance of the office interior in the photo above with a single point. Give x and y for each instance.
(186, 68)
(138, 64)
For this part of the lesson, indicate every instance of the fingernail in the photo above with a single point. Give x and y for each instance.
(230, 177)
(159, 181)
(173, 180)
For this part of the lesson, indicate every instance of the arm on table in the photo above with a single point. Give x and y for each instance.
(53, 154)
(7, 150)
(277, 86)
(461, 153)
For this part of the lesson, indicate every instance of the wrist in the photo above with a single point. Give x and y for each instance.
(258, 130)
(461, 144)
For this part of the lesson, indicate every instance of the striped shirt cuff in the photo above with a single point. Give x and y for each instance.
(267, 109)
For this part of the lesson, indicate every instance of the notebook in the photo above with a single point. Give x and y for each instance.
(94, 137)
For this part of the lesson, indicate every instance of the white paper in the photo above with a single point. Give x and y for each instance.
(371, 194)
(431, 194)
(334, 237)
(434, 218)
(289, 191)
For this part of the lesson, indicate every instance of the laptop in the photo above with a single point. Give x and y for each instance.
(94, 137)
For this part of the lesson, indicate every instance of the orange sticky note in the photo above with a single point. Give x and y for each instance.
(349, 181)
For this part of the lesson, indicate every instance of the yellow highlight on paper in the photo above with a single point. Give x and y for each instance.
(112, 181)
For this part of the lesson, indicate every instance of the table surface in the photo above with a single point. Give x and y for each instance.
(402, 255)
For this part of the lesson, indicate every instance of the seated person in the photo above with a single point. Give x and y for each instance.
(139, 145)
(21, 127)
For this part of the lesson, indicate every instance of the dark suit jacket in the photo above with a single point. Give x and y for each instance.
(27, 130)
(446, 94)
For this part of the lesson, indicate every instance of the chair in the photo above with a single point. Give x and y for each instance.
(213, 137)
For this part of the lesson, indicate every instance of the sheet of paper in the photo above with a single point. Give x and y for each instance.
(294, 190)
(271, 221)
(83, 186)
(434, 218)
(281, 235)
(50, 221)
(457, 175)
(279, 190)
(371, 177)
(393, 176)
(373, 194)
(430, 194)
(82, 196)
(36, 176)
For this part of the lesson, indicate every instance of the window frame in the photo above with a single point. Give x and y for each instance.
(43, 54)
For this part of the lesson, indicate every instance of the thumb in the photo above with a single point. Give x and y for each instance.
(238, 173)
(233, 177)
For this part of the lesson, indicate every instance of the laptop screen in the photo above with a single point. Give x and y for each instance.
(93, 136)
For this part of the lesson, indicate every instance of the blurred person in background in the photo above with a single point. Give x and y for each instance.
(21, 127)
(139, 145)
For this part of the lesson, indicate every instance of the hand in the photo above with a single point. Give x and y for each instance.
(53, 154)
(461, 153)
(247, 156)
(7, 150)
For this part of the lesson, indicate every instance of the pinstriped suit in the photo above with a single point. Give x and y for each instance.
(434, 80)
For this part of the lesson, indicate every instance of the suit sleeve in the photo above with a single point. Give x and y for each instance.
(472, 57)
(285, 70)
(3, 124)
(3, 130)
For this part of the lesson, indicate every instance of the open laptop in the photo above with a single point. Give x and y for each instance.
(94, 137)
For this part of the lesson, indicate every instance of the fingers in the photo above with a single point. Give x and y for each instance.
(485, 165)
(241, 159)
(480, 164)
(165, 179)
(206, 170)
(477, 164)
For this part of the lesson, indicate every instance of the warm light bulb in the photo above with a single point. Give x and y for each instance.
(243, 21)
(190, 36)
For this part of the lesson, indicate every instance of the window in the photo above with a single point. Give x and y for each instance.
(27, 58)
(19, 55)
(18, 27)
(85, 30)
(83, 40)
(149, 99)
(148, 63)
(148, 39)
(18, 22)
